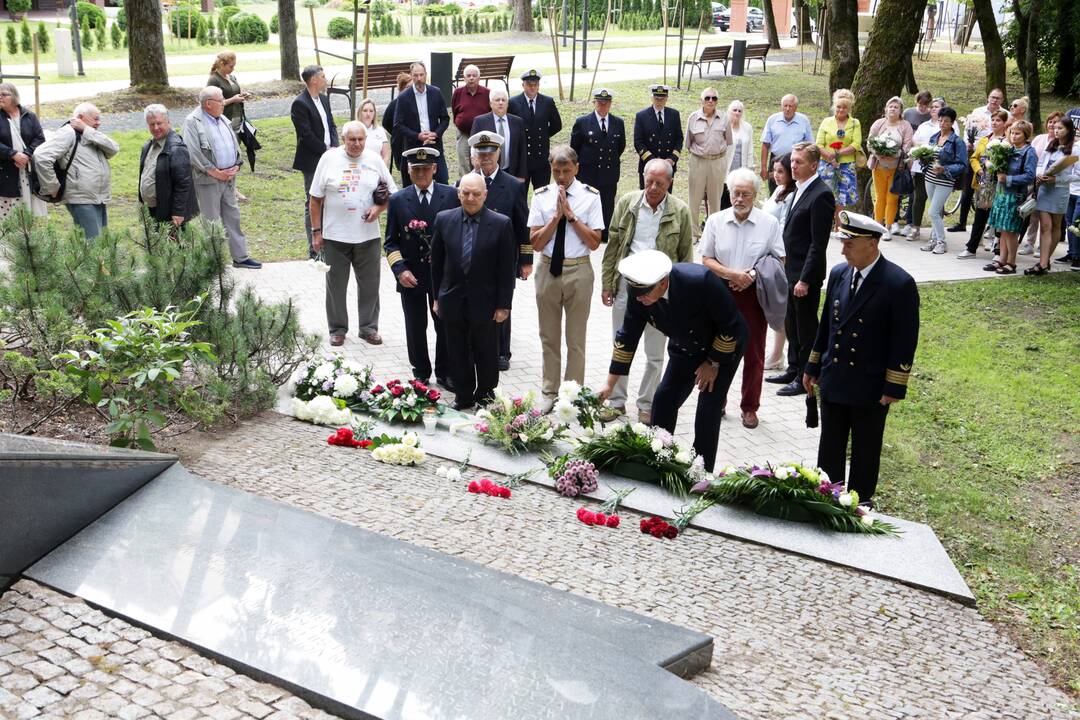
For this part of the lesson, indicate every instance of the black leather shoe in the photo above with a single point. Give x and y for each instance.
(445, 383)
(783, 378)
(792, 388)
(956, 228)
(504, 363)
(462, 406)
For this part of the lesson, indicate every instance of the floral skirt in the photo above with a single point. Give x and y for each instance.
(1003, 214)
(842, 180)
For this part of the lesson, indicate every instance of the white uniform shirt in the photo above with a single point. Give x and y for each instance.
(584, 203)
(739, 245)
(346, 185)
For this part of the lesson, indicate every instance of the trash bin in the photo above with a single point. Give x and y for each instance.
(738, 56)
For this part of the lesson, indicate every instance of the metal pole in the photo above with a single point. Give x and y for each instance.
(565, 27)
(367, 46)
(37, 79)
(585, 35)
(75, 35)
(664, 15)
(573, 55)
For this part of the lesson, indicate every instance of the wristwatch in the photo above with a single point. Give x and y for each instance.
(715, 365)
(315, 230)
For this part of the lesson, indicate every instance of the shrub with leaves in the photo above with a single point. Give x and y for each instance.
(227, 13)
(340, 28)
(90, 11)
(115, 36)
(18, 7)
(86, 36)
(121, 19)
(247, 28)
(43, 39)
(185, 21)
(99, 37)
(275, 25)
(11, 40)
(26, 41)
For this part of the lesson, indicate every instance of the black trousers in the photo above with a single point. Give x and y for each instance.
(473, 354)
(504, 338)
(918, 201)
(607, 206)
(417, 306)
(675, 387)
(725, 199)
(801, 324)
(966, 197)
(978, 227)
(539, 174)
(865, 425)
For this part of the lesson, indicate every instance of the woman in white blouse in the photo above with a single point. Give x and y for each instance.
(377, 142)
(742, 136)
(345, 216)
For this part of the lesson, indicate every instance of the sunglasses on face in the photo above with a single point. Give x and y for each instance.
(710, 97)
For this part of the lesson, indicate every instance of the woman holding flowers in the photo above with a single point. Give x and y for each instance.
(1013, 186)
(889, 139)
(920, 137)
(1054, 174)
(840, 140)
(986, 162)
(948, 165)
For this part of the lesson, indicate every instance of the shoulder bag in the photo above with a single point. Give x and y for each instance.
(902, 182)
(61, 174)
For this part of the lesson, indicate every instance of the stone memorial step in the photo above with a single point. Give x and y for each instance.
(366, 626)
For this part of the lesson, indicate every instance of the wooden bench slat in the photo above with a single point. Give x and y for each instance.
(492, 67)
(709, 55)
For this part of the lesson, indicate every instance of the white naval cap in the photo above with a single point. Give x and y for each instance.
(485, 141)
(854, 225)
(643, 270)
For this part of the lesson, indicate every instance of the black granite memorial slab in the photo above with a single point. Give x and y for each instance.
(366, 626)
(52, 489)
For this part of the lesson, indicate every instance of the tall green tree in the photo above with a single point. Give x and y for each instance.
(1027, 14)
(290, 58)
(884, 66)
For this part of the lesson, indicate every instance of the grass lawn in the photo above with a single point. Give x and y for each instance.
(986, 448)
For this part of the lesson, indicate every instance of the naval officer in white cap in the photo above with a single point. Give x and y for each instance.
(706, 336)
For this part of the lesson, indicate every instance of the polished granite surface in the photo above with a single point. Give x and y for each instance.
(367, 626)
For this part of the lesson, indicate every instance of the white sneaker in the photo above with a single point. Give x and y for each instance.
(965, 255)
(913, 233)
(895, 229)
(1025, 249)
(930, 245)
(940, 248)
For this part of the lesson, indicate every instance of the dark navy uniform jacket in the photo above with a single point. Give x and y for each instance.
(598, 154)
(650, 140)
(865, 345)
(539, 127)
(409, 250)
(699, 318)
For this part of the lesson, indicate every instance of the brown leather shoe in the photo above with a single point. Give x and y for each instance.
(372, 338)
(337, 340)
(749, 419)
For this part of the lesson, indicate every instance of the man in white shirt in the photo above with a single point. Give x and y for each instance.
(565, 222)
(346, 217)
(733, 242)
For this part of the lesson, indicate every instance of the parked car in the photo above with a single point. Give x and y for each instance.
(755, 20)
(717, 9)
(793, 24)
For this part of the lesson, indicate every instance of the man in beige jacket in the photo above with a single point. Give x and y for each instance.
(648, 219)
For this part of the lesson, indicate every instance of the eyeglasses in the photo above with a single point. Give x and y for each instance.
(710, 97)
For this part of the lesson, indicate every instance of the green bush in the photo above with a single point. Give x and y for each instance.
(203, 36)
(441, 10)
(89, 10)
(185, 21)
(55, 285)
(248, 28)
(489, 9)
(340, 28)
(87, 35)
(274, 26)
(121, 19)
(225, 3)
(227, 13)
(115, 36)
(99, 37)
(12, 40)
(43, 39)
(26, 41)
(18, 7)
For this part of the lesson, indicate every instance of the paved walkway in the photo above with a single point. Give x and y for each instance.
(781, 435)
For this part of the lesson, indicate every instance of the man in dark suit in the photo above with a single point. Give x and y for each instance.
(657, 133)
(599, 139)
(472, 270)
(862, 357)
(542, 122)
(165, 184)
(513, 158)
(315, 133)
(706, 338)
(507, 196)
(806, 235)
(421, 118)
(409, 223)
(403, 80)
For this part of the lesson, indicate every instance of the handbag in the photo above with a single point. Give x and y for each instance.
(987, 189)
(381, 194)
(902, 182)
(1027, 207)
(61, 175)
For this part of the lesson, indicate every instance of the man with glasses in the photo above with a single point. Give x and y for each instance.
(708, 137)
(782, 131)
(215, 161)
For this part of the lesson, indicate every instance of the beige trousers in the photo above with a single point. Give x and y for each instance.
(707, 177)
(570, 293)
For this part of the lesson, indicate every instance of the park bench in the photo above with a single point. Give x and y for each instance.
(380, 75)
(711, 54)
(757, 51)
(496, 67)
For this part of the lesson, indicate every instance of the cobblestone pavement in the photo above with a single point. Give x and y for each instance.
(794, 638)
(781, 436)
(60, 658)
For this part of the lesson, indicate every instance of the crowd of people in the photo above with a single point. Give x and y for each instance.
(456, 253)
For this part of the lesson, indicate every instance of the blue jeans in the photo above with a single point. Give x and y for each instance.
(1072, 214)
(91, 218)
(937, 195)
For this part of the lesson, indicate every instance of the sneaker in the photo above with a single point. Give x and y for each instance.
(895, 228)
(610, 413)
(913, 233)
(1063, 260)
(1075, 266)
(249, 263)
(930, 245)
(965, 255)
(1025, 249)
(940, 248)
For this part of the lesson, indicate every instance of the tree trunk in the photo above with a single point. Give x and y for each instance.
(290, 58)
(844, 42)
(146, 46)
(886, 62)
(1066, 61)
(824, 26)
(912, 84)
(1021, 38)
(770, 25)
(1032, 86)
(802, 23)
(991, 42)
(523, 19)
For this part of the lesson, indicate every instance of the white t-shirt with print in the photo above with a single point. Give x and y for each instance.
(346, 184)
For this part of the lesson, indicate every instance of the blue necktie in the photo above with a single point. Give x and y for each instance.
(467, 239)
